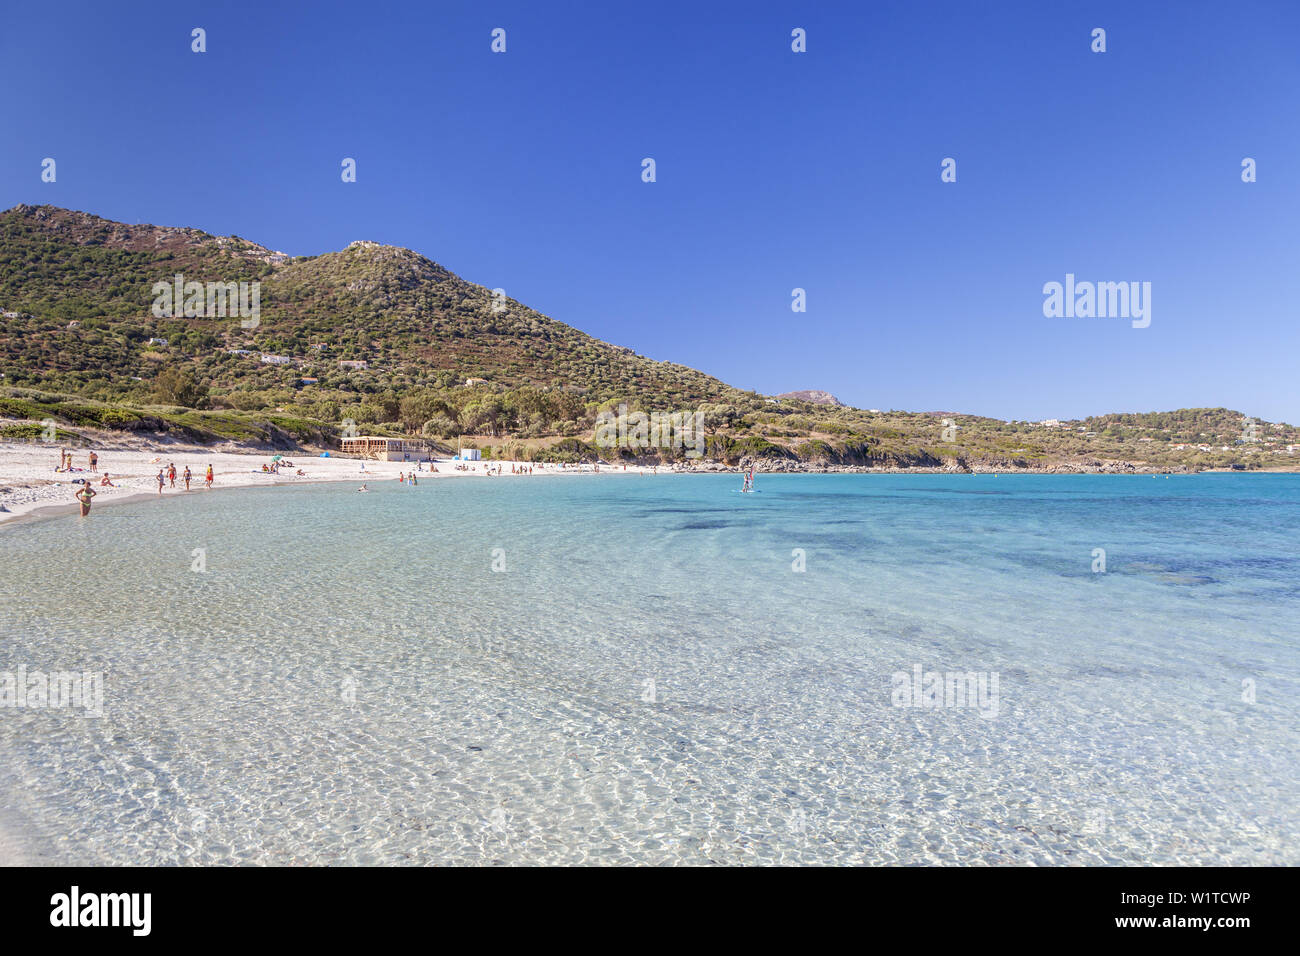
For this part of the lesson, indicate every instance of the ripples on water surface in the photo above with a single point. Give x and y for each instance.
(350, 682)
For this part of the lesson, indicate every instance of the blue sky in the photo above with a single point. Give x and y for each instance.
(775, 170)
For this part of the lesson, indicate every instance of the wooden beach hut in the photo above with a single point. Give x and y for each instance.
(385, 449)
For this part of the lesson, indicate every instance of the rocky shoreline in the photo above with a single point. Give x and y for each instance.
(785, 466)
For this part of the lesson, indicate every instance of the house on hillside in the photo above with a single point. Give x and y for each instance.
(475, 381)
(354, 363)
(240, 351)
(276, 359)
(157, 341)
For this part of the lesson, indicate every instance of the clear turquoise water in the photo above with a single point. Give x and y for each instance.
(502, 716)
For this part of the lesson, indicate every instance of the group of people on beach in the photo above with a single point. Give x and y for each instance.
(273, 468)
(166, 474)
(408, 478)
(65, 462)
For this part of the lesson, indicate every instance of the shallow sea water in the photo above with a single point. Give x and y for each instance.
(649, 680)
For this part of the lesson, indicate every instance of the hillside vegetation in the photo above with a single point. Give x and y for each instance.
(386, 341)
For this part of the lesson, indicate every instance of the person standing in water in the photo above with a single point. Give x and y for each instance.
(187, 477)
(84, 496)
(171, 472)
(208, 478)
(162, 479)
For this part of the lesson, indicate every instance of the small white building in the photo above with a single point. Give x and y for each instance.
(276, 359)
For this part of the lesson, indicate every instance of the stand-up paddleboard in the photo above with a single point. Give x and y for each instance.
(748, 486)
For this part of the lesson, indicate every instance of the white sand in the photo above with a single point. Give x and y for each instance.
(30, 485)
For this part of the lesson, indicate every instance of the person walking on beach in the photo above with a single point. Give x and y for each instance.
(162, 479)
(187, 476)
(208, 478)
(171, 472)
(84, 496)
(94, 462)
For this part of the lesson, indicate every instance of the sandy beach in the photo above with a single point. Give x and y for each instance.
(31, 487)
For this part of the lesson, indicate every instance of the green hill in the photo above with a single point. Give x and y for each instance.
(384, 338)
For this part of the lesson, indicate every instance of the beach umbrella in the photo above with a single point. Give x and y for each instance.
(276, 457)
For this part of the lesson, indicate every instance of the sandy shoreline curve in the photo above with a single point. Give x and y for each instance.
(32, 489)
